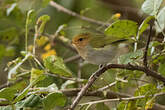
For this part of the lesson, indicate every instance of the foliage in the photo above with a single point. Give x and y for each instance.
(40, 73)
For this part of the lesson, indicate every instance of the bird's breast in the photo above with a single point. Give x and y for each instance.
(100, 55)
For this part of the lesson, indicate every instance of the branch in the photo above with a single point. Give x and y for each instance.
(145, 62)
(100, 71)
(91, 80)
(66, 78)
(106, 87)
(112, 100)
(109, 94)
(69, 12)
(122, 99)
(65, 45)
(72, 58)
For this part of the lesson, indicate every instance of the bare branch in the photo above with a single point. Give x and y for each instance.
(100, 71)
(120, 99)
(112, 100)
(66, 78)
(69, 12)
(145, 62)
(72, 58)
(106, 87)
(109, 94)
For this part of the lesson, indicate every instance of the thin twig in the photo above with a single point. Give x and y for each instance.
(112, 100)
(145, 62)
(69, 12)
(66, 78)
(100, 71)
(72, 58)
(121, 99)
(109, 94)
(65, 45)
(106, 87)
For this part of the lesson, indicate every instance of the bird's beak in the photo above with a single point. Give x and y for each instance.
(73, 45)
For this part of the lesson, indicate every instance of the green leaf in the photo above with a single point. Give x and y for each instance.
(161, 69)
(144, 25)
(102, 106)
(26, 90)
(56, 65)
(9, 34)
(13, 71)
(155, 43)
(151, 7)
(148, 90)
(22, 94)
(41, 22)
(54, 99)
(160, 24)
(52, 88)
(46, 82)
(31, 101)
(130, 57)
(8, 93)
(149, 104)
(6, 108)
(35, 73)
(122, 29)
(130, 105)
(67, 83)
(2, 52)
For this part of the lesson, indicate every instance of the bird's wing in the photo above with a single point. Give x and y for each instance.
(100, 41)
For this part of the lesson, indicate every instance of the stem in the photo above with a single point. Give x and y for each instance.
(146, 48)
(26, 29)
(112, 100)
(34, 42)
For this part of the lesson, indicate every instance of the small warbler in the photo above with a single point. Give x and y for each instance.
(97, 49)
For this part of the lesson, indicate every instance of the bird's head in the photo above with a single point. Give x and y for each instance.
(81, 40)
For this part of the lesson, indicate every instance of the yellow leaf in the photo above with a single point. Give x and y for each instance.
(35, 73)
(149, 104)
(48, 53)
(47, 47)
(41, 41)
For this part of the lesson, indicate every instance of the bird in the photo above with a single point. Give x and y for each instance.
(96, 48)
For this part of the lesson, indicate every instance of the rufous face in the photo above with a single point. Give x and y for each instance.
(80, 41)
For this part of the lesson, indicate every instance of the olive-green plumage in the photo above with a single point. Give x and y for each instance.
(99, 40)
(96, 48)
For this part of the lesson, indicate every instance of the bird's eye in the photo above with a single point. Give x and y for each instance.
(80, 39)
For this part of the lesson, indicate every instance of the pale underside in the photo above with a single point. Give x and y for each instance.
(99, 55)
